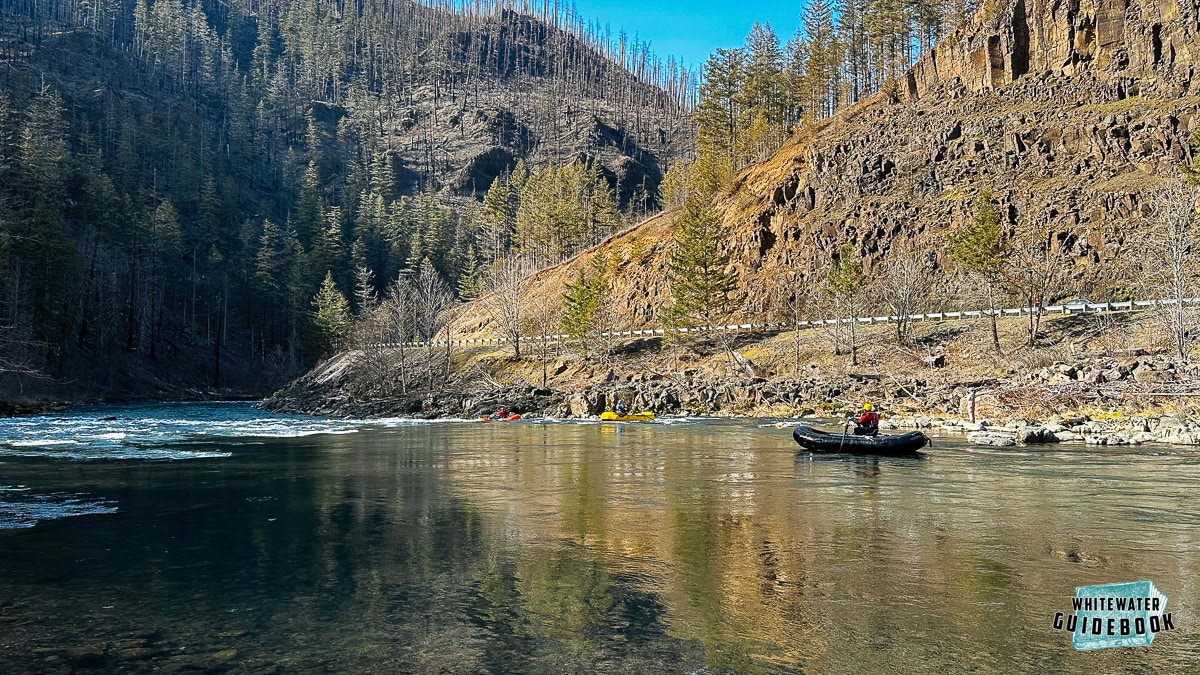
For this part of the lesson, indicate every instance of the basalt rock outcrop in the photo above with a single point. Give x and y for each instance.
(1147, 48)
(1067, 112)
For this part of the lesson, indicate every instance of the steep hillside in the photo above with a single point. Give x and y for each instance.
(177, 178)
(1065, 112)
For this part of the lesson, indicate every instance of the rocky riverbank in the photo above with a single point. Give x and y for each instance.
(1092, 400)
(1171, 429)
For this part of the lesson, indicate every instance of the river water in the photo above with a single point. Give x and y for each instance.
(213, 537)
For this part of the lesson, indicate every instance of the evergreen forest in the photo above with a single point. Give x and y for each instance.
(186, 188)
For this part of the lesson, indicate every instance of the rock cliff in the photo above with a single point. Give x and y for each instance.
(1065, 111)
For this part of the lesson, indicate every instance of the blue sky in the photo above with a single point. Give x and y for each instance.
(691, 29)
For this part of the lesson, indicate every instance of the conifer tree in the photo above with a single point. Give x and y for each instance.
(844, 281)
(307, 217)
(720, 113)
(697, 270)
(498, 218)
(331, 314)
(584, 304)
(978, 248)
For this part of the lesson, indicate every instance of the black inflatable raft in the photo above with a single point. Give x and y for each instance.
(821, 441)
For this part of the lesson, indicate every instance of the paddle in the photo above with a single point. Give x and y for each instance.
(845, 428)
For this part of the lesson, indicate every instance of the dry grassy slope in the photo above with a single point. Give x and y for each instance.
(1066, 112)
(636, 259)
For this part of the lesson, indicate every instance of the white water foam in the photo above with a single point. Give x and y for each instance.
(20, 510)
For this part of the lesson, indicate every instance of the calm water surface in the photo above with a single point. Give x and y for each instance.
(216, 538)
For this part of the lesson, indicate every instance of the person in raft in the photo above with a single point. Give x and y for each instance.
(620, 408)
(500, 414)
(868, 423)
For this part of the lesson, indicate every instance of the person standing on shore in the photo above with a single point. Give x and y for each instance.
(971, 404)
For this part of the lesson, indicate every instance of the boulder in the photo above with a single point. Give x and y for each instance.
(992, 438)
(580, 405)
(1036, 435)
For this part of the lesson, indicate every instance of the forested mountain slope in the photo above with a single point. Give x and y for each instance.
(1068, 114)
(177, 178)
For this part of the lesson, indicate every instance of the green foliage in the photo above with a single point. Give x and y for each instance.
(979, 246)
(331, 317)
(43, 151)
(561, 210)
(697, 270)
(585, 302)
(845, 278)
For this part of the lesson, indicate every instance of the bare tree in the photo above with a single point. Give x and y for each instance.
(395, 316)
(370, 349)
(503, 301)
(1170, 269)
(791, 302)
(904, 283)
(1038, 270)
(544, 321)
(434, 300)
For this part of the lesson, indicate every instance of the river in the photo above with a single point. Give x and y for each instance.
(217, 538)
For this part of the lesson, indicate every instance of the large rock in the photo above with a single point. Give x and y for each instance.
(1036, 435)
(992, 438)
(580, 405)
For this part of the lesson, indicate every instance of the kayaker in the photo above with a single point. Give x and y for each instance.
(868, 423)
(502, 414)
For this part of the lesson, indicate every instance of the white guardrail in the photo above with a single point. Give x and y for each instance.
(1069, 308)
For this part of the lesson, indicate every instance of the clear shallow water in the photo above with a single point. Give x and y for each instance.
(214, 537)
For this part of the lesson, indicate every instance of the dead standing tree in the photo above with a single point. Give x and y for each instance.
(399, 317)
(1170, 270)
(792, 302)
(905, 282)
(1038, 270)
(434, 300)
(503, 302)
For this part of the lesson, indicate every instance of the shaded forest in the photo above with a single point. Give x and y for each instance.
(177, 180)
(191, 192)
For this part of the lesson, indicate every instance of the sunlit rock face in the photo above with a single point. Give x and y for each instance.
(1069, 114)
(1142, 47)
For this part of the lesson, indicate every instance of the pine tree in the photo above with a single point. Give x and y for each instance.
(583, 302)
(43, 146)
(469, 276)
(762, 91)
(824, 57)
(498, 218)
(365, 298)
(307, 214)
(844, 281)
(720, 113)
(332, 314)
(978, 248)
(697, 271)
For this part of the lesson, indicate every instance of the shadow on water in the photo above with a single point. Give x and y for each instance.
(698, 547)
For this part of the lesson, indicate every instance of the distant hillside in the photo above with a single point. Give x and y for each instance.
(1068, 113)
(177, 178)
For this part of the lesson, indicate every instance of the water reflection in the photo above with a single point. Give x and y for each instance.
(577, 548)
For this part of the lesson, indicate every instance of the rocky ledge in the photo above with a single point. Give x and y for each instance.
(1168, 429)
(1100, 401)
